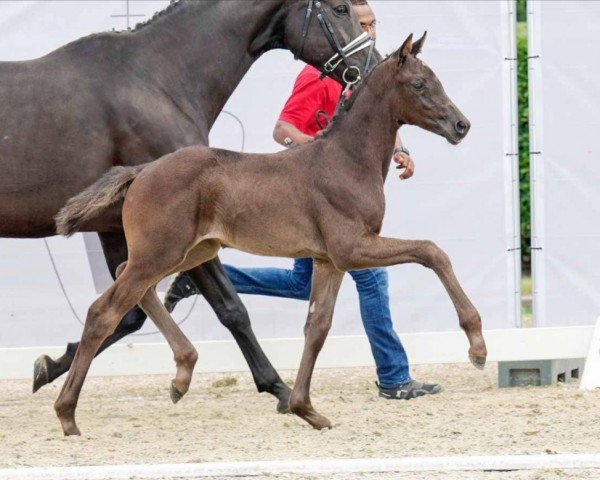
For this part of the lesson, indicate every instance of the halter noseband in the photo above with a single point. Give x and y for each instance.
(341, 56)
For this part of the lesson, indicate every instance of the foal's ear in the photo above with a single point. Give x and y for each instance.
(417, 47)
(403, 52)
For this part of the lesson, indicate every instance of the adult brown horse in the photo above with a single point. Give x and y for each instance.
(323, 200)
(128, 98)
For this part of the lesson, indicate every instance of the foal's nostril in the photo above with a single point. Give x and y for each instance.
(461, 127)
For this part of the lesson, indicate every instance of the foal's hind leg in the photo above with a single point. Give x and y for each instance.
(185, 354)
(103, 316)
(45, 369)
(105, 313)
(325, 286)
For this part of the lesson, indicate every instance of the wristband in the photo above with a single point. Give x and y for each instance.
(401, 150)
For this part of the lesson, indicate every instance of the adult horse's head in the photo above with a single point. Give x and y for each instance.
(328, 35)
(422, 100)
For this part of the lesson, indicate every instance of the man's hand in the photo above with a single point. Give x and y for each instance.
(404, 162)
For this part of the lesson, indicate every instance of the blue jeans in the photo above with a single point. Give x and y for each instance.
(372, 285)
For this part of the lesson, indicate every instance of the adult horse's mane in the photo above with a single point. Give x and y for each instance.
(141, 25)
(173, 6)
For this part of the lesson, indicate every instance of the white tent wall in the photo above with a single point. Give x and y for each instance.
(564, 96)
(464, 197)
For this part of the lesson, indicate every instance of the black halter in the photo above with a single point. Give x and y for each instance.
(341, 53)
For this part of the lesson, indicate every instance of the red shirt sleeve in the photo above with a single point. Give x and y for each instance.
(307, 98)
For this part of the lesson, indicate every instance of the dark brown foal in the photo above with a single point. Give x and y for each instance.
(323, 200)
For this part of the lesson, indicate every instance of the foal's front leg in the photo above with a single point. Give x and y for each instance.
(326, 283)
(375, 251)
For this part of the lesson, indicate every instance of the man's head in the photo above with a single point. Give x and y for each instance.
(366, 16)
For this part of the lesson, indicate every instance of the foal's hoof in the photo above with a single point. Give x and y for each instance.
(69, 426)
(478, 361)
(176, 395)
(40, 372)
(318, 421)
(71, 431)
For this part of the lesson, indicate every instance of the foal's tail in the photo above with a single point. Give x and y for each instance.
(109, 189)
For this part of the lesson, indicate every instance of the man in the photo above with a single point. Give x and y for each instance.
(312, 102)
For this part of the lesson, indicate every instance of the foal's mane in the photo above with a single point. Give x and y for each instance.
(348, 106)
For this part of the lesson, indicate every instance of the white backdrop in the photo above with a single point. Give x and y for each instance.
(462, 197)
(564, 99)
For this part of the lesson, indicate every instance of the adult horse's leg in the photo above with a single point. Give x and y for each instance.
(379, 251)
(212, 281)
(325, 286)
(45, 369)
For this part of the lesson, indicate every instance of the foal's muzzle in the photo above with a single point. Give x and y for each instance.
(462, 127)
(454, 127)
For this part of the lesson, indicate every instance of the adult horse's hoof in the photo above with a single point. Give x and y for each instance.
(283, 406)
(176, 395)
(40, 372)
(478, 361)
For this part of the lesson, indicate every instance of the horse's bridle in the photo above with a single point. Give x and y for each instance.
(342, 53)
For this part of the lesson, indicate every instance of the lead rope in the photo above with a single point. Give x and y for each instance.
(349, 84)
(342, 101)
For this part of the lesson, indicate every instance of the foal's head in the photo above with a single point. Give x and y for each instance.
(421, 99)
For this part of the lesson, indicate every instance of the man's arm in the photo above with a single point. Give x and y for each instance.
(403, 160)
(285, 130)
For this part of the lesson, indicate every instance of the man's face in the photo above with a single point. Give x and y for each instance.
(366, 17)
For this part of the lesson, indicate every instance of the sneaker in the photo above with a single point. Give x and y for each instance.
(412, 389)
(181, 287)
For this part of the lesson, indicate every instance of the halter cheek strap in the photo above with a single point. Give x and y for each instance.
(305, 28)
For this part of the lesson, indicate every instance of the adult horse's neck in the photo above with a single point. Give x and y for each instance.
(200, 51)
(366, 132)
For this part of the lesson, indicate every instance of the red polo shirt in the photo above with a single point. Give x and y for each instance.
(310, 94)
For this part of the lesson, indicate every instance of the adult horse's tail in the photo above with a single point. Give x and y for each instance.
(108, 190)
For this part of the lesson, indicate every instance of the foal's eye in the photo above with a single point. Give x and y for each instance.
(341, 9)
(418, 85)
